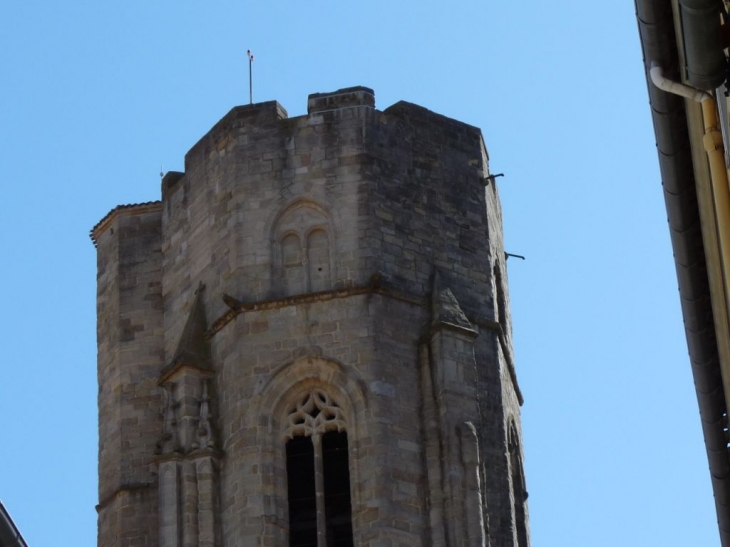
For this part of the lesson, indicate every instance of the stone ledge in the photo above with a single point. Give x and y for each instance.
(374, 286)
(124, 488)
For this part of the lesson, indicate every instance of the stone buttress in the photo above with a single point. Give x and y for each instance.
(307, 341)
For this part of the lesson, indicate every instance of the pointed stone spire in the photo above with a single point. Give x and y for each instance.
(193, 348)
(445, 309)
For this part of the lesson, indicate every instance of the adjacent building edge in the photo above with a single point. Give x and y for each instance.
(684, 39)
(10, 536)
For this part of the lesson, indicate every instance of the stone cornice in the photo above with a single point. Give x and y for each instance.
(374, 286)
(132, 208)
(124, 488)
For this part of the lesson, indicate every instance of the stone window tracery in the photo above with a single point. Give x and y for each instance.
(318, 476)
(315, 413)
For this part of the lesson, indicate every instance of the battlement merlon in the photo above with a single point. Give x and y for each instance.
(348, 97)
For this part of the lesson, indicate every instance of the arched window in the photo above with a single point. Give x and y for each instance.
(318, 473)
(519, 491)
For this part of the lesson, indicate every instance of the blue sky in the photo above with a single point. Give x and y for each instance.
(96, 96)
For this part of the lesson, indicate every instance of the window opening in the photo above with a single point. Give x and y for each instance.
(301, 490)
(318, 474)
(519, 492)
(338, 508)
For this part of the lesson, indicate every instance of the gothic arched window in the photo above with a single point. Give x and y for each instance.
(318, 473)
(519, 491)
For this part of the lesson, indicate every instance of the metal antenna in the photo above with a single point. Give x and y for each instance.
(250, 77)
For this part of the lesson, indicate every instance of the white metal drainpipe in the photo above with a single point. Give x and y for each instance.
(676, 88)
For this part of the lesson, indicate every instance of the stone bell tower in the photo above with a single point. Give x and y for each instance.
(307, 342)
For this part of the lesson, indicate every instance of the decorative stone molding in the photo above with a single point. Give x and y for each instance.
(187, 425)
(205, 432)
(169, 442)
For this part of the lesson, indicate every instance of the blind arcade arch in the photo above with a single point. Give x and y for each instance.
(303, 243)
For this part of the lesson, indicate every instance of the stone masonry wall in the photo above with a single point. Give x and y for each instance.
(129, 309)
(313, 243)
(430, 208)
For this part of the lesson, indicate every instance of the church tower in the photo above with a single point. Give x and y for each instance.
(306, 342)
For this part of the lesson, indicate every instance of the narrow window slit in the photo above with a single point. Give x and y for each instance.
(338, 509)
(302, 499)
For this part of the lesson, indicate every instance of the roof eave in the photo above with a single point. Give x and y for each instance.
(659, 44)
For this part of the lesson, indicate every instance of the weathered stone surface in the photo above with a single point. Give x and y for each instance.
(318, 239)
